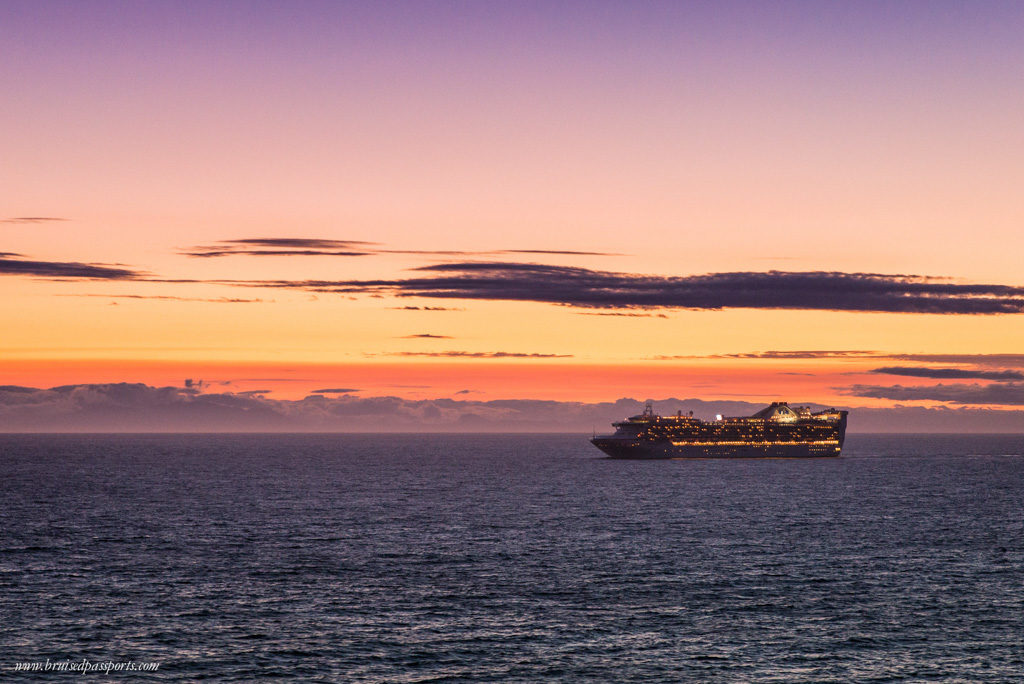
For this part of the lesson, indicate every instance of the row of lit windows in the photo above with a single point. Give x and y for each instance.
(827, 442)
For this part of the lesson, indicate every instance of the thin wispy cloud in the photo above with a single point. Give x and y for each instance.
(426, 308)
(1003, 360)
(557, 251)
(347, 248)
(172, 298)
(32, 219)
(802, 354)
(969, 360)
(281, 247)
(305, 243)
(481, 355)
(949, 373)
(270, 380)
(336, 390)
(279, 252)
(621, 314)
(581, 287)
(780, 355)
(492, 253)
(426, 336)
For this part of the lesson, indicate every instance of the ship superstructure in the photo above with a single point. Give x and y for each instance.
(778, 431)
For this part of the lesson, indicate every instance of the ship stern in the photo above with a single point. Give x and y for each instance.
(616, 447)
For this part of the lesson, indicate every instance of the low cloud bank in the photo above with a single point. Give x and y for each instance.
(123, 407)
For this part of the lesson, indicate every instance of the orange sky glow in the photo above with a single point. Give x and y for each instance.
(285, 203)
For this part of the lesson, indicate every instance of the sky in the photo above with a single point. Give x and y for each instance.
(568, 202)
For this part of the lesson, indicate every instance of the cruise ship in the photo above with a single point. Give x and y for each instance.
(778, 431)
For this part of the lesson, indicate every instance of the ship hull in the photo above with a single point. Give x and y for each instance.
(650, 450)
(774, 432)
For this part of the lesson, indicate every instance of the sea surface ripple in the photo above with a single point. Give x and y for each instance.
(511, 558)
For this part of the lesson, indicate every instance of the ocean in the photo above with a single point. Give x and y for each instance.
(510, 558)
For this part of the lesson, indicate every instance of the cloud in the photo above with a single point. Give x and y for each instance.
(482, 355)
(132, 407)
(282, 247)
(276, 252)
(32, 219)
(302, 243)
(124, 407)
(624, 314)
(495, 252)
(269, 380)
(950, 373)
(347, 248)
(997, 393)
(1005, 360)
(335, 390)
(140, 408)
(215, 300)
(426, 308)
(778, 355)
(426, 336)
(813, 354)
(554, 251)
(63, 269)
(581, 287)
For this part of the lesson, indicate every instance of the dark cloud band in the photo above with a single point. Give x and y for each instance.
(581, 287)
(994, 394)
(64, 269)
(950, 373)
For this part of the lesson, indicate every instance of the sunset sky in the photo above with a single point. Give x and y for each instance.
(573, 201)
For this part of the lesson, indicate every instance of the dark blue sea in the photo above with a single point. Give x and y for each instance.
(510, 558)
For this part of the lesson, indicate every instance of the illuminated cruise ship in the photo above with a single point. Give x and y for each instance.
(777, 431)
